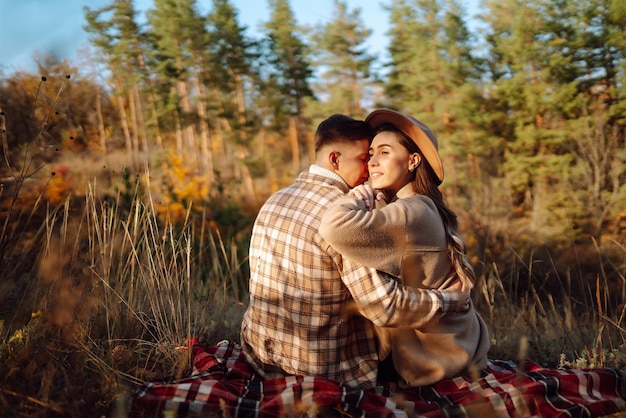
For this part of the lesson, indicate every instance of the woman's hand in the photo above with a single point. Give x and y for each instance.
(367, 194)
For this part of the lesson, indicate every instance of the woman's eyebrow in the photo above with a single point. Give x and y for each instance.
(381, 146)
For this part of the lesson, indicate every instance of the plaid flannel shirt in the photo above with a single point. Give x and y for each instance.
(311, 311)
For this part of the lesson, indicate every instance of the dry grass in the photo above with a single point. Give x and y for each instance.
(104, 300)
(557, 321)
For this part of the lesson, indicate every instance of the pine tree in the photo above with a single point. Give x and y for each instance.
(175, 27)
(229, 71)
(344, 61)
(286, 76)
(116, 35)
(552, 67)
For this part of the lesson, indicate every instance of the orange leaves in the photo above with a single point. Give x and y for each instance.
(184, 188)
(58, 188)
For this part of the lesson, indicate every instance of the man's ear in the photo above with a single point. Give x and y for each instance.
(333, 159)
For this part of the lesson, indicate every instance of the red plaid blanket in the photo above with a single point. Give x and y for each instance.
(223, 384)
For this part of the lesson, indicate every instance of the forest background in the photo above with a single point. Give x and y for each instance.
(129, 183)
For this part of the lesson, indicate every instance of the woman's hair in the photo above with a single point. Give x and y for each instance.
(425, 183)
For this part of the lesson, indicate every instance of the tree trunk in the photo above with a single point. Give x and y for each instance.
(141, 123)
(133, 123)
(295, 145)
(100, 118)
(150, 96)
(3, 138)
(246, 178)
(206, 152)
(124, 121)
(188, 129)
(219, 146)
(179, 135)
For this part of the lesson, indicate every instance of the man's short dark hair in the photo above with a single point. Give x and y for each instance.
(341, 128)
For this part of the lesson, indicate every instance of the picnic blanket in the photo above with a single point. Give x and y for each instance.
(223, 384)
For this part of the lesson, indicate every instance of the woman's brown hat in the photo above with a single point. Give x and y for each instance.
(421, 134)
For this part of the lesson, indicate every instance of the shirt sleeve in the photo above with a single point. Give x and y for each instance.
(387, 303)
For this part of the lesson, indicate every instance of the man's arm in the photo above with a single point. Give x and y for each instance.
(388, 303)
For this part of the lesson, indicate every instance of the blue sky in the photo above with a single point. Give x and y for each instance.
(54, 27)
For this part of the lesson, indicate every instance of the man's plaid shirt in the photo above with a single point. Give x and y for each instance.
(311, 311)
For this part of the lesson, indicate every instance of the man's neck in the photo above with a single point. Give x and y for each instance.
(319, 170)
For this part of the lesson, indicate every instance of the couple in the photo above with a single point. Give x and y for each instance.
(343, 290)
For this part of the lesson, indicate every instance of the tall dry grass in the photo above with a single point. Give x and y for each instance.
(106, 298)
(558, 320)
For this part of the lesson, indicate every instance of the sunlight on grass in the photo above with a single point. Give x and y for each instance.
(120, 292)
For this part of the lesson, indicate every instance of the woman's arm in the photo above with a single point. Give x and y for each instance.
(375, 238)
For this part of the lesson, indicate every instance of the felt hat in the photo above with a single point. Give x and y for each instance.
(421, 134)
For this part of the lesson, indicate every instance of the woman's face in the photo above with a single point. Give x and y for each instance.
(390, 163)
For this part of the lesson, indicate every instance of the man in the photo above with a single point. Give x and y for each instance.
(312, 311)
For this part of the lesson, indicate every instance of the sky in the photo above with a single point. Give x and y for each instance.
(55, 27)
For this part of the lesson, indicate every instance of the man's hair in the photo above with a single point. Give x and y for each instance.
(341, 128)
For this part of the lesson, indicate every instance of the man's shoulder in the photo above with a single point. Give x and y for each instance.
(308, 183)
(304, 199)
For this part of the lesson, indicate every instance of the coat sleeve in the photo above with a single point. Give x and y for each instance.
(374, 238)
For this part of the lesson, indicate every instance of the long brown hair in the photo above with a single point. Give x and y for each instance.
(425, 182)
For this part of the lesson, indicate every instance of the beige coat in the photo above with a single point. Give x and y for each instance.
(407, 239)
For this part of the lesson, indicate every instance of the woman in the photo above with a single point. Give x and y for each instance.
(414, 238)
